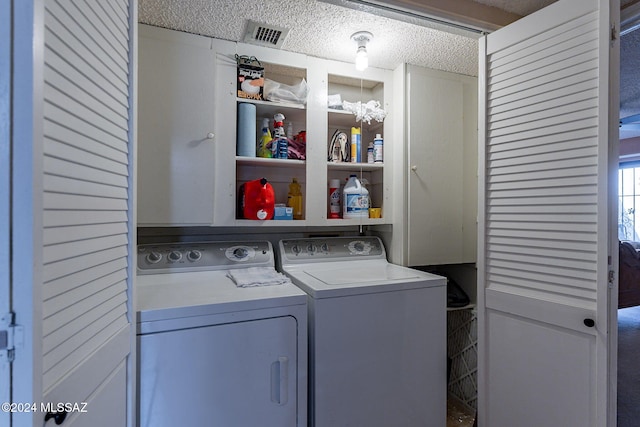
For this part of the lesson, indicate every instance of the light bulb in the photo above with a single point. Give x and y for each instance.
(361, 38)
(362, 60)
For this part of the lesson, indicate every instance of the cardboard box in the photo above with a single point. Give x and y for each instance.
(250, 79)
(283, 212)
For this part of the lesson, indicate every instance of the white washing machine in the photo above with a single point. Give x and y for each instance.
(211, 353)
(377, 334)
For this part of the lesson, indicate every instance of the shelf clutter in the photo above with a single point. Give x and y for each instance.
(271, 145)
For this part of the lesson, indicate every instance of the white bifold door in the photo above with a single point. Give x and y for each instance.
(72, 220)
(5, 213)
(547, 175)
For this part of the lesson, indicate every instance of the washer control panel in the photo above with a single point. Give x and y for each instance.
(331, 248)
(199, 256)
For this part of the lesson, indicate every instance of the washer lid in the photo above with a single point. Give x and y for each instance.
(335, 279)
(353, 275)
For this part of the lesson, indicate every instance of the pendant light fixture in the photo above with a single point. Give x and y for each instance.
(362, 38)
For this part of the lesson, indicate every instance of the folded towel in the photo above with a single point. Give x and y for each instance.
(257, 276)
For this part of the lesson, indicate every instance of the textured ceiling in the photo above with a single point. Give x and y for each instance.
(323, 29)
(520, 7)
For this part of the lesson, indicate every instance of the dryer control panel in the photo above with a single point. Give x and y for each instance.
(331, 249)
(201, 256)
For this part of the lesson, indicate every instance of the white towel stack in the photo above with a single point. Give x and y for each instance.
(257, 276)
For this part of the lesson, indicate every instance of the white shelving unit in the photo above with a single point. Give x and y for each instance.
(190, 113)
(323, 77)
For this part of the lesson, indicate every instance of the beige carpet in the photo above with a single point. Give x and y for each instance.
(458, 415)
(628, 367)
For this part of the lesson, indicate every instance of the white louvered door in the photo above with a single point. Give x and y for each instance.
(544, 218)
(5, 192)
(81, 340)
(87, 239)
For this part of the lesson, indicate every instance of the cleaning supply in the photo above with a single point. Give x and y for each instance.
(257, 200)
(377, 148)
(294, 199)
(370, 153)
(355, 199)
(356, 148)
(265, 139)
(365, 186)
(334, 198)
(279, 144)
(290, 133)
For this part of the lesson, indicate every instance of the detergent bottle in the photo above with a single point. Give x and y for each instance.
(356, 199)
(265, 139)
(334, 198)
(279, 145)
(356, 141)
(294, 199)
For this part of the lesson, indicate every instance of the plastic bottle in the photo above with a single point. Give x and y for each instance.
(356, 149)
(370, 153)
(265, 139)
(290, 130)
(294, 199)
(365, 186)
(377, 148)
(334, 198)
(355, 199)
(280, 145)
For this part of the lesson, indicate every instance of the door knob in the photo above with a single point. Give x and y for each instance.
(210, 135)
(58, 417)
(589, 323)
(414, 168)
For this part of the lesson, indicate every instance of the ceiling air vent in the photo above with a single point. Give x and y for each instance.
(265, 35)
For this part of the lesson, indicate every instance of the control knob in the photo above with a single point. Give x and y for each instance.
(154, 257)
(240, 253)
(194, 255)
(174, 256)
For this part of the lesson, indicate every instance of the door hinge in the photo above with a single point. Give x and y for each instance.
(614, 34)
(11, 337)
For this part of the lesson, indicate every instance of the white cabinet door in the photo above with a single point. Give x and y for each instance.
(549, 91)
(442, 159)
(233, 375)
(175, 128)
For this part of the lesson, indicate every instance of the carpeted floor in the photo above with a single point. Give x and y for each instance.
(458, 415)
(628, 367)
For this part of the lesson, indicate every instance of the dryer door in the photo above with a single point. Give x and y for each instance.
(233, 375)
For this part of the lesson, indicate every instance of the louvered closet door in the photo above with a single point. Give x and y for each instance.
(5, 191)
(544, 220)
(86, 330)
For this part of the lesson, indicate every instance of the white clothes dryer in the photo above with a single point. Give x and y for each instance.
(211, 353)
(377, 334)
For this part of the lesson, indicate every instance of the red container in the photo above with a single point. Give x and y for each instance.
(257, 199)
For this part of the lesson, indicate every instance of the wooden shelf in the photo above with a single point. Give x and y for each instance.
(263, 161)
(275, 105)
(270, 223)
(346, 166)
